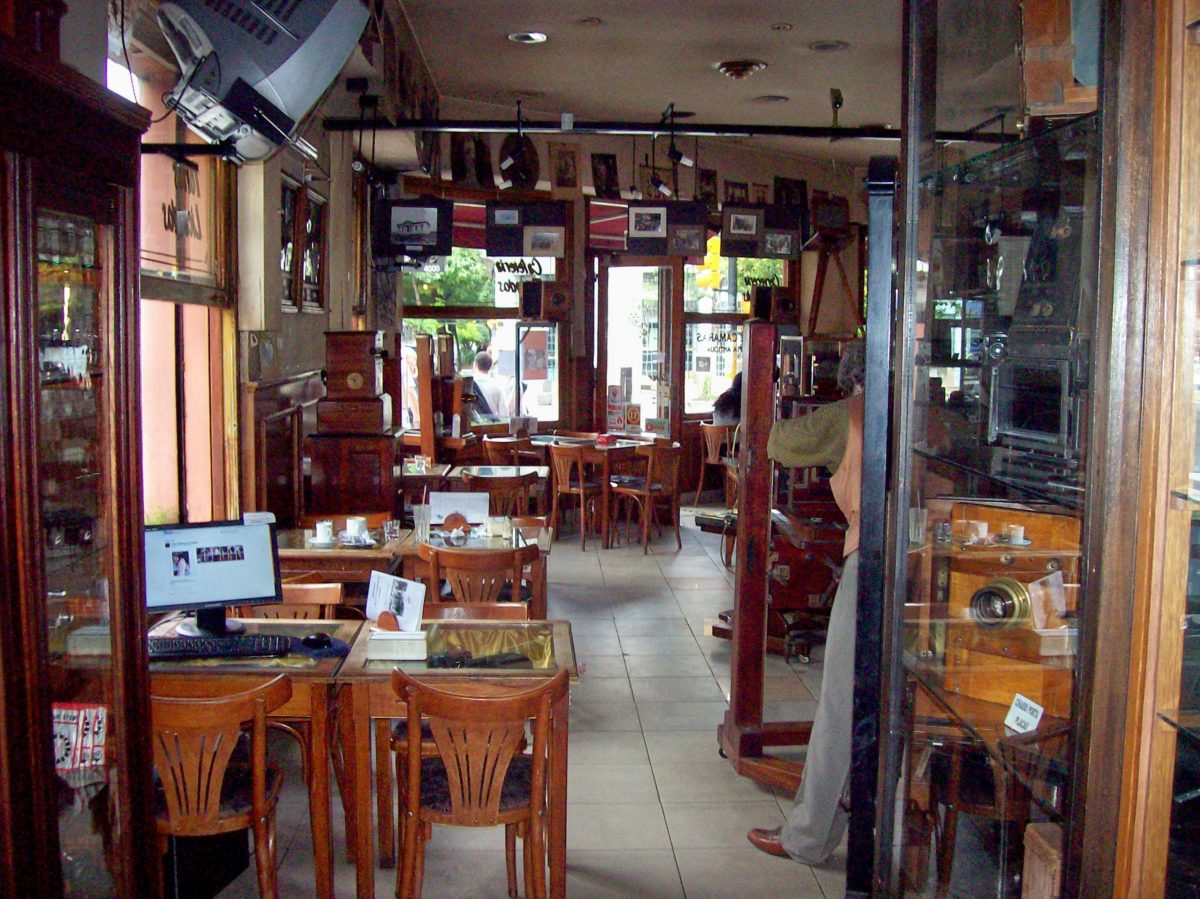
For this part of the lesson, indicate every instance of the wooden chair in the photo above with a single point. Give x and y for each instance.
(195, 735)
(531, 526)
(513, 451)
(730, 463)
(300, 600)
(507, 496)
(713, 439)
(476, 575)
(570, 479)
(479, 777)
(659, 486)
(474, 611)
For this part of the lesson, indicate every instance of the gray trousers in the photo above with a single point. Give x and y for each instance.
(816, 821)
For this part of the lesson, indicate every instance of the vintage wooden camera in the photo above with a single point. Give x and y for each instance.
(993, 646)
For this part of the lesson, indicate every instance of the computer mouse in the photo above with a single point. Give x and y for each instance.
(318, 640)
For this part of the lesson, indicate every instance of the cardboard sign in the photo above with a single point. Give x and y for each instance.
(658, 426)
(472, 506)
(1023, 715)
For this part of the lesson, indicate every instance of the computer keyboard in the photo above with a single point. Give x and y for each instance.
(229, 647)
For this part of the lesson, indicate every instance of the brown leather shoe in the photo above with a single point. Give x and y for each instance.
(767, 839)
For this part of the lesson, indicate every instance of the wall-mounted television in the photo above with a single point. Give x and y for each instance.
(413, 228)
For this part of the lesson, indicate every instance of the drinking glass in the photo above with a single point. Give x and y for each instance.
(421, 521)
(917, 520)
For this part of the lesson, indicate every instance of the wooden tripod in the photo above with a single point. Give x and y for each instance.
(831, 247)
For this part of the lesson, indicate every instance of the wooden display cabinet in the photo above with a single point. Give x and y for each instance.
(72, 626)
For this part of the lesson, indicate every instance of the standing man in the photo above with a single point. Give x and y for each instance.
(829, 436)
(487, 387)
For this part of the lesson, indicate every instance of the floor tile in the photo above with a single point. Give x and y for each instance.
(617, 825)
(601, 689)
(693, 665)
(606, 748)
(705, 781)
(595, 874)
(722, 873)
(597, 644)
(670, 626)
(660, 646)
(703, 825)
(678, 715)
(672, 748)
(601, 715)
(599, 666)
(609, 783)
(651, 689)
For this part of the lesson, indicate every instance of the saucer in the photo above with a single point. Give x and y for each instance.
(322, 544)
(1008, 542)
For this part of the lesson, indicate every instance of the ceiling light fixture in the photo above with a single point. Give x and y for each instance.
(782, 26)
(508, 161)
(771, 98)
(673, 152)
(828, 46)
(737, 69)
(527, 37)
(655, 181)
(589, 21)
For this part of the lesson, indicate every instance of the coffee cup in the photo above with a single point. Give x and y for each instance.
(1014, 533)
(323, 532)
(979, 530)
(356, 526)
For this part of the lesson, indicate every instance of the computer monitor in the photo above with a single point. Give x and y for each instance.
(207, 567)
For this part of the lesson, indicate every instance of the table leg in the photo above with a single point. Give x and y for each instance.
(605, 501)
(360, 741)
(318, 788)
(556, 825)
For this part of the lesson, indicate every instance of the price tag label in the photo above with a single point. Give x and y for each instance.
(1023, 715)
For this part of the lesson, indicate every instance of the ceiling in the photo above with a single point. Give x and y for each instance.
(641, 56)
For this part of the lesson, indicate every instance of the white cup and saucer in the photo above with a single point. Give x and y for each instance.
(322, 534)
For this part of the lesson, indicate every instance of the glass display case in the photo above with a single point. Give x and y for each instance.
(1003, 321)
(76, 794)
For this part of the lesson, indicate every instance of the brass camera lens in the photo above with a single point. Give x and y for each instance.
(1002, 603)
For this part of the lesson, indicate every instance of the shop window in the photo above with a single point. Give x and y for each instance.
(302, 247)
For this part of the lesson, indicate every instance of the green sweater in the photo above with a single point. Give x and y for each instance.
(818, 438)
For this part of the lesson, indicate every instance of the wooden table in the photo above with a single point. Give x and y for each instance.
(499, 471)
(415, 482)
(372, 698)
(313, 687)
(337, 563)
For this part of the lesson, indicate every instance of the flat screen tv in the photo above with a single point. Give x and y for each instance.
(205, 568)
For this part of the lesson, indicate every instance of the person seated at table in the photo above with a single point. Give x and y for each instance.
(727, 409)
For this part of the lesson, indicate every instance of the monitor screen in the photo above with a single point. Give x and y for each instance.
(209, 566)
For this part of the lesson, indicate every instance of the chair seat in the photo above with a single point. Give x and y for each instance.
(237, 798)
(435, 785)
(636, 483)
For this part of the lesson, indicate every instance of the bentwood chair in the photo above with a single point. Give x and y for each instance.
(476, 575)
(714, 438)
(300, 600)
(512, 451)
(570, 479)
(197, 746)
(479, 776)
(507, 495)
(659, 486)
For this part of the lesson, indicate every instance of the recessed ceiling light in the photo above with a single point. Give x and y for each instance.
(738, 69)
(771, 98)
(782, 26)
(527, 37)
(828, 46)
(589, 21)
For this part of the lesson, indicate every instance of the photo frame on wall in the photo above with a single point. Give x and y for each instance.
(760, 194)
(793, 193)
(780, 244)
(647, 221)
(544, 240)
(564, 169)
(605, 179)
(743, 223)
(762, 231)
(706, 188)
(685, 240)
(504, 216)
(736, 192)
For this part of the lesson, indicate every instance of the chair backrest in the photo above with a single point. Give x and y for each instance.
(498, 451)
(475, 575)
(715, 436)
(662, 469)
(532, 525)
(195, 730)
(486, 611)
(374, 519)
(507, 496)
(478, 729)
(299, 601)
(568, 464)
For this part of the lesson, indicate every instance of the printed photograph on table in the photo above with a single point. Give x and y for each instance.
(605, 179)
(648, 221)
(544, 241)
(736, 192)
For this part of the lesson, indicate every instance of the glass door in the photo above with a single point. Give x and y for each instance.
(635, 341)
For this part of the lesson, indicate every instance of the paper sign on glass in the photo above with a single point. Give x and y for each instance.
(1023, 715)
(472, 506)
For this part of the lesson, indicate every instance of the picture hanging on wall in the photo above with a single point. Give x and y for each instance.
(505, 216)
(760, 193)
(645, 183)
(647, 221)
(605, 179)
(706, 188)
(779, 244)
(742, 223)
(541, 240)
(736, 192)
(524, 168)
(685, 240)
(564, 169)
(463, 168)
(760, 231)
(793, 192)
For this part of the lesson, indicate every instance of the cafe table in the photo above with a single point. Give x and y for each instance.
(337, 562)
(372, 698)
(499, 471)
(313, 686)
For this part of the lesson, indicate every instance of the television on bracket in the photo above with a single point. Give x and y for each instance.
(415, 229)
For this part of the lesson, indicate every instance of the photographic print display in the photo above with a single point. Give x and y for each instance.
(509, 217)
(647, 221)
(743, 224)
(564, 168)
(415, 226)
(706, 188)
(793, 192)
(779, 244)
(760, 193)
(736, 192)
(685, 240)
(649, 191)
(760, 231)
(605, 178)
(544, 241)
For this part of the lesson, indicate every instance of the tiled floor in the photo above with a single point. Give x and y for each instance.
(653, 811)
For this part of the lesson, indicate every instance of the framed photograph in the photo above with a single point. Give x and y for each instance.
(791, 192)
(649, 191)
(605, 179)
(414, 225)
(743, 223)
(760, 193)
(685, 240)
(647, 221)
(780, 244)
(736, 192)
(506, 217)
(564, 169)
(463, 165)
(542, 240)
(706, 188)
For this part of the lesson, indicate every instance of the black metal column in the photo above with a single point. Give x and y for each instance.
(872, 555)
